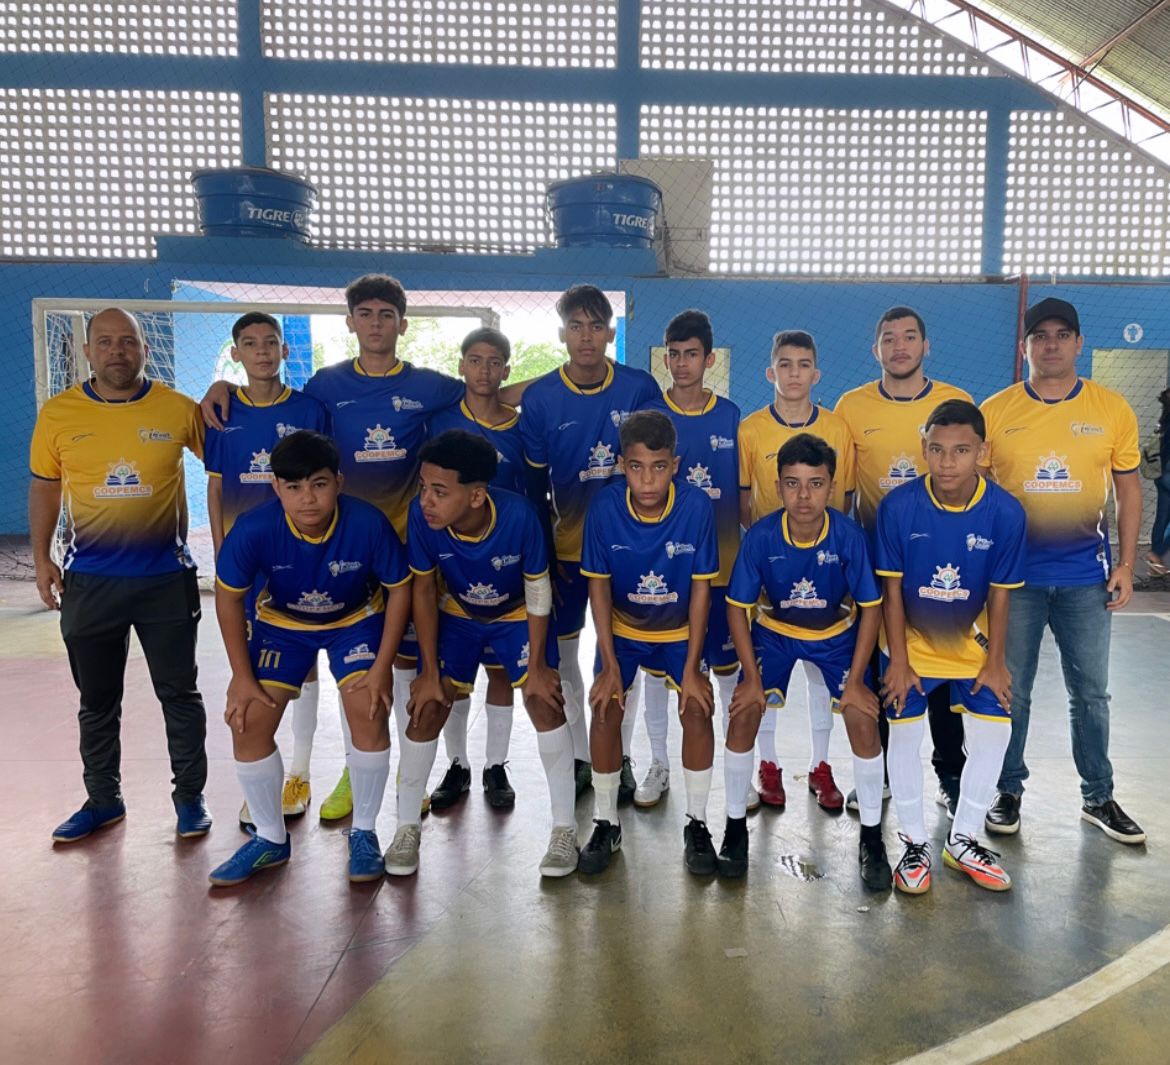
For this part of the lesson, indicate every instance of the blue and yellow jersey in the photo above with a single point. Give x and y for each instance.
(240, 453)
(948, 559)
(574, 432)
(763, 433)
(120, 465)
(809, 591)
(887, 438)
(504, 437)
(379, 423)
(1058, 459)
(324, 582)
(709, 459)
(651, 563)
(483, 577)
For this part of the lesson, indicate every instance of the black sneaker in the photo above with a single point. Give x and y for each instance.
(596, 853)
(1004, 816)
(875, 865)
(495, 785)
(947, 798)
(582, 775)
(1114, 822)
(627, 785)
(733, 855)
(700, 851)
(455, 784)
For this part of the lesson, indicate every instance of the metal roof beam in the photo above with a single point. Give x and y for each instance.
(1122, 34)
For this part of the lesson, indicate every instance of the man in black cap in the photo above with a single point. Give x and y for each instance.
(1057, 441)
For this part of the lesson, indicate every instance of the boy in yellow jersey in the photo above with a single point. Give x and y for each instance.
(111, 449)
(885, 419)
(1056, 442)
(793, 373)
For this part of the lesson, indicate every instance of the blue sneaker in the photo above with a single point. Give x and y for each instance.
(255, 855)
(194, 820)
(365, 856)
(87, 821)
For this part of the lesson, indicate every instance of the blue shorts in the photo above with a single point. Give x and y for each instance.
(718, 650)
(284, 657)
(776, 655)
(465, 644)
(963, 700)
(570, 598)
(658, 659)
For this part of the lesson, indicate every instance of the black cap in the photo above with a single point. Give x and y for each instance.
(1051, 308)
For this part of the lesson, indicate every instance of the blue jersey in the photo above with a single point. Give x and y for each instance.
(484, 577)
(239, 454)
(574, 433)
(505, 438)
(314, 582)
(811, 591)
(650, 563)
(948, 558)
(709, 459)
(379, 424)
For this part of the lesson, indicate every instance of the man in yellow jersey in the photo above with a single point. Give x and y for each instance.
(885, 419)
(1056, 441)
(793, 373)
(111, 449)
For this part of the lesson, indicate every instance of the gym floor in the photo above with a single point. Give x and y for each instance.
(116, 950)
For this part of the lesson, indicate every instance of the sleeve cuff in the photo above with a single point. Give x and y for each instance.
(871, 602)
(888, 572)
(590, 573)
(1015, 584)
(736, 602)
(230, 587)
(42, 477)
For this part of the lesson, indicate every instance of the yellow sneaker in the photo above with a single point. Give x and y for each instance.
(340, 801)
(296, 796)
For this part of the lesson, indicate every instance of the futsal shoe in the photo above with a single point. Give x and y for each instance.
(824, 787)
(1114, 822)
(655, 784)
(582, 776)
(698, 848)
(455, 784)
(1003, 819)
(753, 799)
(873, 861)
(980, 864)
(912, 875)
(87, 821)
(561, 857)
(402, 855)
(365, 856)
(499, 792)
(605, 840)
(732, 861)
(193, 820)
(253, 857)
(294, 800)
(772, 785)
(627, 785)
(339, 804)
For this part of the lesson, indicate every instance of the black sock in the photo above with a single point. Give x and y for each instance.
(871, 832)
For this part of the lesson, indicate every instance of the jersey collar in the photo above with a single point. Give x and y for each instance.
(507, 423)
(483, 535)
(90, 391)
(980, 489)
(651, 521)
(1072, 393)
(816, 413)
(397, 368)
(800, 543)
(314, 539)
(588, 391)
(926, 389)
(242, 396)
(705, 409)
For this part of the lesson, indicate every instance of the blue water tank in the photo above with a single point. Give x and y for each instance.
(253, 201)
(612, 210)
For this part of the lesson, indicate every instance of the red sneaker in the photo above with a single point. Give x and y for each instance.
(824, 787)
(771, 786)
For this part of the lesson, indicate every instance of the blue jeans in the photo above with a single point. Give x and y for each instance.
(1081, 625)
(1159, 541)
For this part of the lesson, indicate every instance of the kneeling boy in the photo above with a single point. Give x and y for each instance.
(335, 579)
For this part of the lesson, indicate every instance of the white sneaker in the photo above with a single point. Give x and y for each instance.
(561, 857)
(654, 785)
(753, 798)
(402, 855)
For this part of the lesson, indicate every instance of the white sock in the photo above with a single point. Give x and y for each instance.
(368, 773)
(556, 755)
(400, 694)
(656, 711)
(304, 727)
(346, 735)
(499, 732)
(737, 778)
(869, 776)
(904, 764)
(455, 732)
(724, 689)
(986, 742)
(261, 783)
(820, 714)
(698, 785)
(414, 767)
(573, 688)
(605, 789)
(766, 737)
(630, 713)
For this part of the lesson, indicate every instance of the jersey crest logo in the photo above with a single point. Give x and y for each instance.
(480, 594)
(259, 468)
(379, 446)
(652, 591)
(122, 482)
(360, 653)
(400, 403)
(945, 586)
(804, 596)
(975, 542)
(500, 561)
(314, 602)
(1052, 476)
(601, 463)
(700, 476)
(337, 568)
(721, 443)
(902, 469)
(673, 549)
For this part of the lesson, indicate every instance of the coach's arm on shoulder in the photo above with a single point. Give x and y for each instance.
(44, 510)
(216, 404)
(1128, 490)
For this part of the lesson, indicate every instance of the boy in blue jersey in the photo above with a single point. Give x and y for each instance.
(484, 366)
(335, 579)
(707, 427)
(650, 555)
(950, 546)
(489, 549)
(805, 570)
(239, 477)
(569, 424)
